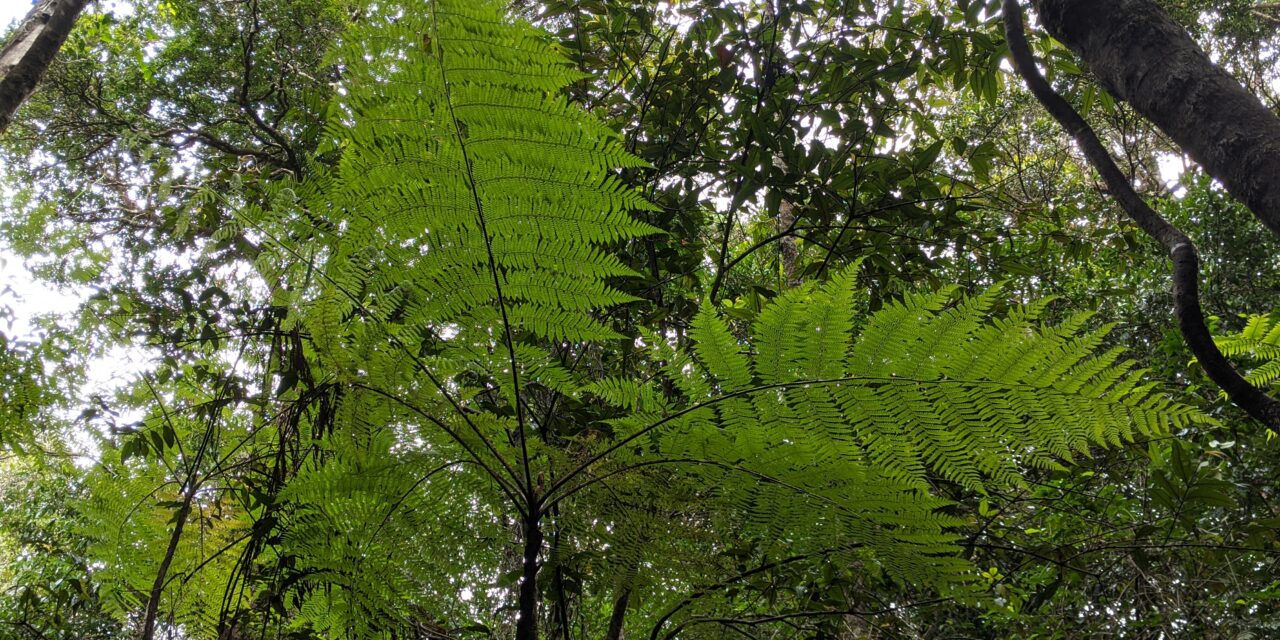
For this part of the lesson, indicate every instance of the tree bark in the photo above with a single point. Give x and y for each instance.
(28, 53)
(1181, 250)
(788, 250)
(1145, 58)
(619, 615)
(527, 624)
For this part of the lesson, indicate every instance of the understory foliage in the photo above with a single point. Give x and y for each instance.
(462, 388)
(465, 241)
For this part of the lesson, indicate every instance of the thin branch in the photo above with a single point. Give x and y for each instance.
(190, 487)
(28, 627)
(581, 468)
(509, 491)
(690, 461)
(876, 380)
(1037, 555)
(783, 617)
(421, 366)
(793, 230)
(704, 591)
(243, 98)
(395, 506)
(768, 80)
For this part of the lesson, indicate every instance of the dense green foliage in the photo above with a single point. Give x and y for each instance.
(696, 320)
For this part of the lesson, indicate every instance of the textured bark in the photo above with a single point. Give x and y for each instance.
(788, 250)
(1181, 250)
(29, 51)
(1146, 59)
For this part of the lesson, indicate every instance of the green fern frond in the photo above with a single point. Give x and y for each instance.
(473, 220)
(719, 352)
(1258, 344)
(804, 425)
(470, 180)
(355, 527)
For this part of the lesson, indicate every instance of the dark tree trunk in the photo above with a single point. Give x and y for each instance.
(28, 53)
(619, 615)
(1146, 59)
(157, 588)
(1181, 249)
(527, 625)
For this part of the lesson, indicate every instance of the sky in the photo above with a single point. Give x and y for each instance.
(23, 300)
(11, 10)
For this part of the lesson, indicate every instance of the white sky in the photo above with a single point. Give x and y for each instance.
(11, 10)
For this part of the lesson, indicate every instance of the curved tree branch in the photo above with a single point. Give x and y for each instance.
(1181, 250)
(1144, 57)
(727, 582)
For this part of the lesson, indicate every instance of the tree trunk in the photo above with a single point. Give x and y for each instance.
(788, 251)
(28, 53)
(157, 588)
(619, 615)
(1146, 59)
(527, 625)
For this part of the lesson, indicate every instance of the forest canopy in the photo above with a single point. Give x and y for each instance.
(812, 319)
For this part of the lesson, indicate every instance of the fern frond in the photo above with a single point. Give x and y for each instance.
(818, 429)
(469, 180)
(1258, 344)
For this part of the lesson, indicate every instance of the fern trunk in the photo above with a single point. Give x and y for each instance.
(527, 625)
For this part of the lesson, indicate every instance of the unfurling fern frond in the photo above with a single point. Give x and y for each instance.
(1258, 343)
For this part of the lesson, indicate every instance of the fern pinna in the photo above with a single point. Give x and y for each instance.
(468, 471)
(1259, 341)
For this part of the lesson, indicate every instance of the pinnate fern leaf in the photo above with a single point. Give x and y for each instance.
(1259, 342)
(474, 217)
(803, 422)
(469, 182)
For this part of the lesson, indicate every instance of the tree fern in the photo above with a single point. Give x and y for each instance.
(471, 234)
(467, 182)
(467, 251)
